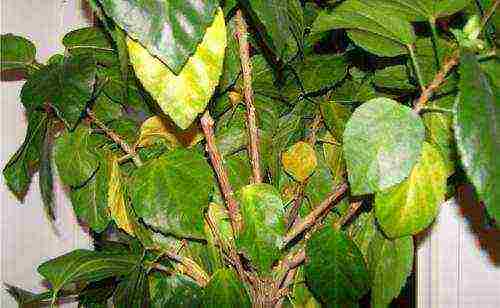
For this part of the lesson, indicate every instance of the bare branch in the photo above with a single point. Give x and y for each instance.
(207, 125)
(253, 131)
(116, 138)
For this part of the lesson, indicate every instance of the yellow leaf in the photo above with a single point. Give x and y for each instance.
(186, 95)
(116, 200)
(300, 161)
(160, 127)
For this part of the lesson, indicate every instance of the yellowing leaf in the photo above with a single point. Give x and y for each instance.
(116, 200)
(300, 161)
(160, 127)
(186, 95)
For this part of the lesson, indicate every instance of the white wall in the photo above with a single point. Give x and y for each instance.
(27, 239)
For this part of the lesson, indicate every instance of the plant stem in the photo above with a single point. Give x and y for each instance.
(435, 38)
(253, 131)
(315, 215)
(207, 125)
(490, 13)
(353, 208)
(116, 138)
(416, 66)
(436, 83)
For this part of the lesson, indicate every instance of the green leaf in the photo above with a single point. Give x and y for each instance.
(185, 95)
(390, 263)
(382, 143)
(318, 72)
(67, 87)
(93, 40)
(133, 290)
(24, 163)
(120, 38)
(173, 291)
(300, 295)
(476, 124)
(225, 290)
(334, 158)
(232, 64)
(278, 21)
(45, 176)
(419, 10)
(412, 205)
(300, 161)
(368, 25)
(17, 52)
(170, 192)
(393, 77)
(90, 202)
(85, 266)
(439, 129)
(426, 57)
(335, 116)
(335, 270)
(170, 30)
(75, 159)
(263, 213)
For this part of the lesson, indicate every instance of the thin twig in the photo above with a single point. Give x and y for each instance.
(353, 208)
(490, 13)
(300, 190)
(116, 138)
(253, 131)
(207, 125)
(315, 215)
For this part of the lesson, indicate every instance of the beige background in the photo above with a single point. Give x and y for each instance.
(452, 270)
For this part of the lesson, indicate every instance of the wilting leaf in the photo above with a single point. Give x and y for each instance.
(412, 205)
(170, 30)
(186, 95)
(170, 192)
(117, 202)
(300, 160)
(173, 291)
(476, 123)
(225, 290)
(67, 87)
(25, 162)
(335, 270)
(263, 213)
(85, 266)
(158, 127)
(382, 143)
(17, 52)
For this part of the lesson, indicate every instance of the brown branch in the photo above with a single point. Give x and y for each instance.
(353, 208)
(490, 13)
(207, 125)
(253, 131)
(439, 79)
(116, 138)
(316, 215)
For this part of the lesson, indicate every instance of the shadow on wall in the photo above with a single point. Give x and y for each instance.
(486, 233)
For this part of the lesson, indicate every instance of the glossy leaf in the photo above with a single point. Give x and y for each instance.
(158, 127)
(419, 10)
(476, 125)
(75, 159)
(300, 160)
(185, 95)
(117, 202)
(368, 25)
(263, 213)
(173, 291)
(335, 270)
(67, 87)
(170, 30)
(85, 266)
(90, 201)
(382, 143)
(133, 290)
(225, 290)
(412, 205)
(17, 52)
(170, 192)
(24, 163)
